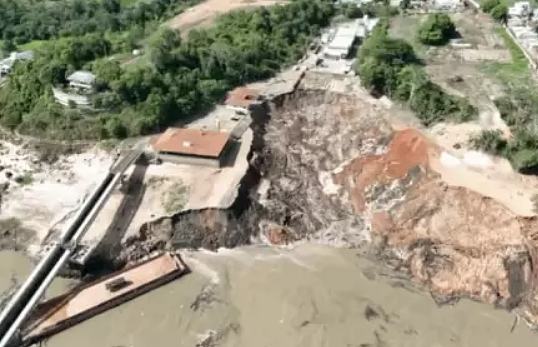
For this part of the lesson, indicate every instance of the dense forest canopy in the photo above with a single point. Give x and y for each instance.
(24, 20)
(184, 76)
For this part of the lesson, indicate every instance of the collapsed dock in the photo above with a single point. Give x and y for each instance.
(85, 301)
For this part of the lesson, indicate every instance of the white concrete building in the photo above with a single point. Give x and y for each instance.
(345, 36)
(81, 87)
(446, 5)
(520, 9)
(7, 64)
(82, 80)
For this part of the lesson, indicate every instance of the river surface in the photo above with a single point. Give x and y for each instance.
(308, 296)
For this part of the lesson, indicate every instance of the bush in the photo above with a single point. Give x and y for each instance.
(499, 13)
(489, 5)
(489, 141)
(437, 30)
(390, 67)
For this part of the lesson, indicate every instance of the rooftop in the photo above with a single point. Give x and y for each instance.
(191, 142)
(342, 43)
(242, 97)
(82, 76)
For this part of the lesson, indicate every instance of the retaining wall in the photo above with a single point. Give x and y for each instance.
(64, 98)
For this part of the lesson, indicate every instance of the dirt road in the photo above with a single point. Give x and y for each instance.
(204, 13)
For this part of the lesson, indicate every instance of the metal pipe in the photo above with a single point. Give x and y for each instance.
(35, 298)
(83, 227)
(35, 285)
(90, 217)
(31, 281)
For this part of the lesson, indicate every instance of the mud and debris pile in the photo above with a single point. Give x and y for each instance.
(454, 240)
(339, 174)
(333, 170)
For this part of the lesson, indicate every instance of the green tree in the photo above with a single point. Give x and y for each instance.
(8, 46)
(489, 141)
(163, 48)
(500, 13)
(489, 5)
(436, 30)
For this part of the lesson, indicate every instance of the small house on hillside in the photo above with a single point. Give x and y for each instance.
(81, 85)
(192, 146)
(241, 99)
(82, 81)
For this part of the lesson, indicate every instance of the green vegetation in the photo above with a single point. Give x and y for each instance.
(371, 9)
(437, 30)
(517, 70)
(184, 76)
(23, 21)
(389, 66)
(497, 9)
(25, 179)
(175, 198)
(518, 110)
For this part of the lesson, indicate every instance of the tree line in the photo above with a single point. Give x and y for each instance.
(184, 76)
(389, 66)
(22, 21)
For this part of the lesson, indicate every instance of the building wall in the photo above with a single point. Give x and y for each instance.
(243, 110)
(188, 160)
(64, 98)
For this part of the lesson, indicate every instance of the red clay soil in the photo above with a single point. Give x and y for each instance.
(453, 240)
(407, 150)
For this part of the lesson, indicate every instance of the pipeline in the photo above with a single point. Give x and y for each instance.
(27, 297)
(11, 311)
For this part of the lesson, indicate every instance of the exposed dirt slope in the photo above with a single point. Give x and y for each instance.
(204, 13)
(455, 240)
(451, 237)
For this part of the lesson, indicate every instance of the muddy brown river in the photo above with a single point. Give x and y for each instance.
(309, 296)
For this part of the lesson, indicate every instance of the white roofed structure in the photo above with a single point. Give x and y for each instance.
(81, 79)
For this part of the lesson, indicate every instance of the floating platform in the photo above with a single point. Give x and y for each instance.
(85, 301)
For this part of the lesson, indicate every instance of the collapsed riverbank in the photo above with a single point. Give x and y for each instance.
(329, 164)
(335, 169)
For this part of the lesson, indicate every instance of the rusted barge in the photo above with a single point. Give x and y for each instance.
(87, 300)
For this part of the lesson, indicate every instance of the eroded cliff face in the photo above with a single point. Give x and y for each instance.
(345, 176)
(452, 239)
(332, 169)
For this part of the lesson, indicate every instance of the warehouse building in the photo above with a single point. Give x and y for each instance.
(192, 146)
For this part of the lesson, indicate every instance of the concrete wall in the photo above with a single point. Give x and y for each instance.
(186, 160)
(64, 98)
